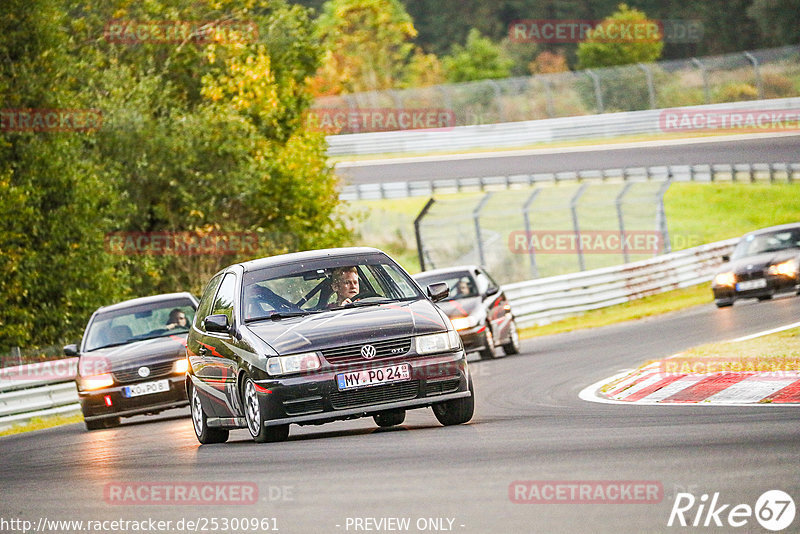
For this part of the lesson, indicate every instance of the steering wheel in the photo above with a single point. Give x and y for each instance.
(364, 295)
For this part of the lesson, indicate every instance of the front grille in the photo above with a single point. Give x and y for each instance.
(375, 395)
(131, 374)
(352, 353)
(440, 387)
(301, 406)
(751, 275)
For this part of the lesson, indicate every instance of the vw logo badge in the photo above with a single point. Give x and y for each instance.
(144, 372)
(368, 352)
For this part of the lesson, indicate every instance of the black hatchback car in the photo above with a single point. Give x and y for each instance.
(764, 263)
(314, 337)
(132, 358)
(478, 309)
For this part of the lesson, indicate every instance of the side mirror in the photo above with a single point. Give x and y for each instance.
(217, 324)
(438, 291)
(71, 350)
(725, 257)
(492, 291)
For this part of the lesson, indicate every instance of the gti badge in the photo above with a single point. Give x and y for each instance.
(367, 352)
(144, 372)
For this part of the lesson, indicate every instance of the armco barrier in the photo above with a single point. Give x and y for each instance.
(522, 133)
(38, 390)
(548, 299)
(739, 172)
(536, 301)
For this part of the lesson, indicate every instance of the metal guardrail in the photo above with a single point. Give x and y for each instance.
(522, 133)
(548, 299)
(741, 172)
(38, 390)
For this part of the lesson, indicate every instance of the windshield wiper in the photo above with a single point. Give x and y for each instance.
(281, 315)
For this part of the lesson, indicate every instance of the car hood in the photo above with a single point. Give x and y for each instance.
(145, 352)
(460, 307)
(759, 262)
(349, 326)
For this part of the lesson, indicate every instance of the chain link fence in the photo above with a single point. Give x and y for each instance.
(545, 230)
(756, 75)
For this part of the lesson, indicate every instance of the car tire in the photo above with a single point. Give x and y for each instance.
(204, 434)
(456, 411)
(723, 303)
(389, 418)
(512, 347)
(255, 422)
(487, 352)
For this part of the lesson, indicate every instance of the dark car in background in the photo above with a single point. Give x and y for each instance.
(132, 358)
(478, 309)
(319, 336)
(764, 263)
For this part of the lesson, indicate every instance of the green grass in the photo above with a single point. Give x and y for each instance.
(39, 423)
(644, 307)
(771, 353)
(696, 213)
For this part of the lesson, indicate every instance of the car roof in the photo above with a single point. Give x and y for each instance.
(778, 228)
(153, 299)
(448, 270)
(292, 257)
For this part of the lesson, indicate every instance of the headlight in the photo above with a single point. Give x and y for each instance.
(786, 268)
(725, 279)
(433, 343)
(461, 323)
(180, 366)
(281, 365)
(89, 383)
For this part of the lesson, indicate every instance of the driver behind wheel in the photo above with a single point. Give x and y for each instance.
(344, 283)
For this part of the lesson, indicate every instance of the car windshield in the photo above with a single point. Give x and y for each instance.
(751, 245)
(126, 325)
(323, 285)
(461, 284)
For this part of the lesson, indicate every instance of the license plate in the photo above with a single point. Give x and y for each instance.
(146, 388)
(747, 285)
(371, 377)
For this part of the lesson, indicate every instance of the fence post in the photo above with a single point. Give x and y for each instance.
(651, 90)
(548, 96)
(573, 206)
(661, 216)
(417, 221)
(476, 214)
(621, 219)
(598, 94)
(526, 217)
(757, 72)
(706, 90)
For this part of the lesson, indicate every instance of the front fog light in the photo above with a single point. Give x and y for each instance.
(725, 279)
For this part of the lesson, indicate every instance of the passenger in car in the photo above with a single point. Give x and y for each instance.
(344, 283)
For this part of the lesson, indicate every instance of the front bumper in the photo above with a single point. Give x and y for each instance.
(473, 339)
(774, 285)
(316, 399)
(93, 404)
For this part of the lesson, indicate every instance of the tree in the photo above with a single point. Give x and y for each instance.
(778, 20)
(478, 59)
(614, 41)
(367, 45)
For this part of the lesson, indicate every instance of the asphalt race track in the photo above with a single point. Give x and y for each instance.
(529, 425)
(783, 149)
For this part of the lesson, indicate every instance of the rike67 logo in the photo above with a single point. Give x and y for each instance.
(774, 510)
